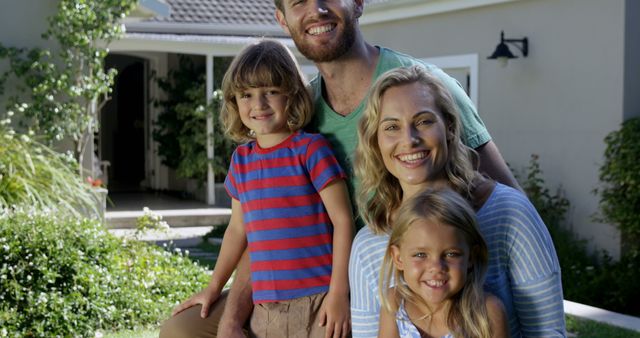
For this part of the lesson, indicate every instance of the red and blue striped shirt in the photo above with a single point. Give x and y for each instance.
(289, 232)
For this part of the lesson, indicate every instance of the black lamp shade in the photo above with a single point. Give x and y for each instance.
(502, 51)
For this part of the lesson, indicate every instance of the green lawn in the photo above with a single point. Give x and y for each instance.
(590, 329)
(579, 327)
(148, 333)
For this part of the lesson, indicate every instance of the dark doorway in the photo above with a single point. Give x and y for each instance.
(122, 140)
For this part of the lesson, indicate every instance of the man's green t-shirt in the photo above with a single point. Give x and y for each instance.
(342, 131)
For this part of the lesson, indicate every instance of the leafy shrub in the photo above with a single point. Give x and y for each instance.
(33, 174)
(620, 173)
(60, 276)
(181, 128)
(588, 278)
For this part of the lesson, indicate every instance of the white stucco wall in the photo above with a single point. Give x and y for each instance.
(24, 21)
(22, 24)
(559, 102)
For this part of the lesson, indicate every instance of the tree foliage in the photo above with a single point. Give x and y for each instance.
(181, 127)
(620, 173)
(63, 92)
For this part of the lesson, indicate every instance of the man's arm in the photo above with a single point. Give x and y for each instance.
(239, 304)
(492, 164)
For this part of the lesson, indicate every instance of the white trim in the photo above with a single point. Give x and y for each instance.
(211, 181)
(186, 44)
(155, 7)
(603, 316)
(469, 61)
(309, 71)
(396, 10)
(204, 28)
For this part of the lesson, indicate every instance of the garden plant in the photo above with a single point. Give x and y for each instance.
(180, 129)
(68, 277)
(620, 175)
(35, 175)
(61, 273)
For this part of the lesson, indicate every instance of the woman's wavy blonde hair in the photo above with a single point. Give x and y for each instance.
(379, 192)
(467, 315)
(265, 63)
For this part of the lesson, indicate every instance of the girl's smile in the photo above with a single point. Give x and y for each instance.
(434, 259)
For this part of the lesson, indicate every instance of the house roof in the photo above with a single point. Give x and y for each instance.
(211, 17)
(237, 12)
(215, 17)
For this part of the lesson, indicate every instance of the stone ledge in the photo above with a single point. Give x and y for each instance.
(602, 316)
(175, 218)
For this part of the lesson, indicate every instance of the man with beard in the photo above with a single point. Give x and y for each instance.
(327, 32)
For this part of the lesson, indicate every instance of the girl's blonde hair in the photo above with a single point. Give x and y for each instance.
(265, 63)
(380, 193)
(467, 315)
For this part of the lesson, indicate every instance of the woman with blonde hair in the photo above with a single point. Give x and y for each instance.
(411, 129)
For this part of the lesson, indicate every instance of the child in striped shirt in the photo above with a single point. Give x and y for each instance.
(290, 204)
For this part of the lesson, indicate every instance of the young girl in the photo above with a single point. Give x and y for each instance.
(440, 259)
(289, 201)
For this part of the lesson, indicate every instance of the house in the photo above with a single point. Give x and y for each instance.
(576, 84)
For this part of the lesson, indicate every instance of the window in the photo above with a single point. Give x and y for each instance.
(463, 68)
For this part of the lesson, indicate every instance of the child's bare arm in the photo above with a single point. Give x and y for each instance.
(335, 313)
(238, 306)
(233, 245)
(497, 317)
(387, 328)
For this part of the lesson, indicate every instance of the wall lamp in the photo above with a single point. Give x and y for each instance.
(502, 52)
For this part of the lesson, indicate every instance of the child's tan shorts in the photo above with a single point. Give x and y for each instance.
(297, 318)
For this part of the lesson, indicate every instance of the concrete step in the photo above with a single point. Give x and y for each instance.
(174, 217)
(172, 234)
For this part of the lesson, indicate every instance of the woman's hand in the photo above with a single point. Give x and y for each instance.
(206, 297)
(335, 315)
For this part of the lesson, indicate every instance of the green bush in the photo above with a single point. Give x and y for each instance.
(620, 173)
(588, 278)
(33, 174)
(60, 276)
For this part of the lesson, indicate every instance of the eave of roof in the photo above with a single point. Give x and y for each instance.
(204, 28)
(216, 45)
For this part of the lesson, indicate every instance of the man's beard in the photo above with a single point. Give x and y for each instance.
(327, 52)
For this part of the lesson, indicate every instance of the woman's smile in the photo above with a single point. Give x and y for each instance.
(412, 135)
